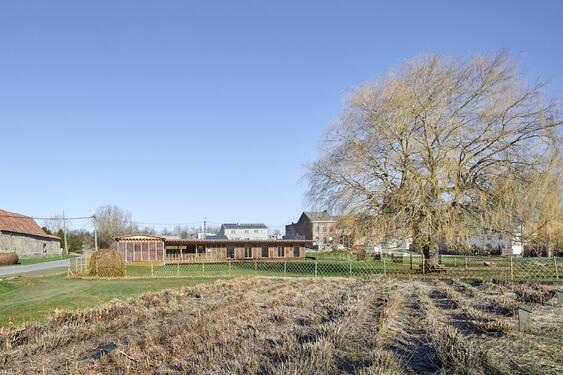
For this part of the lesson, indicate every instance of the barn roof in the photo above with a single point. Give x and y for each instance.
(17, 223)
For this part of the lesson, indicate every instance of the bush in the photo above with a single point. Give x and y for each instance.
(8, 258)
(361, 255)
(106, 263)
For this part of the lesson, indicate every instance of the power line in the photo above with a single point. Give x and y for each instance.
(147, 223)
(49, 218)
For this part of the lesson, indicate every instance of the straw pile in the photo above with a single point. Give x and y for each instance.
(106, 263)
(8, 258)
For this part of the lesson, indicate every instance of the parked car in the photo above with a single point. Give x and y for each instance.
(373, 250)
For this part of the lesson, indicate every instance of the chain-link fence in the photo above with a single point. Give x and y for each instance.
(506, 268)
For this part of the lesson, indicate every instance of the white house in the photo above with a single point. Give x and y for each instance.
(244, 231)
(497, 241)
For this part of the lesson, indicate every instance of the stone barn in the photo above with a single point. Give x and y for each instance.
(20, 234)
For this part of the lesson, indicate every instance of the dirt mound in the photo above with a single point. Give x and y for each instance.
(8, 258)
(106, 263)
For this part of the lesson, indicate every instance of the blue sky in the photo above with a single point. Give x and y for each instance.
(181, 110)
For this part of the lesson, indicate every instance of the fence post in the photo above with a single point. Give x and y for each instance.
(555, 265)
(423, 265)
(384, 268)
(152, 269)
(203, 267)
(97, 274)
(285, 268)
(350, 274)
(178, 269)
(316, 274)
(511, 270)
(229, 268)
(466, 267)
(255, 267)
(410, 259)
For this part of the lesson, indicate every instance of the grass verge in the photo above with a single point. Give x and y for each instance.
(35, 298)
(42, 259)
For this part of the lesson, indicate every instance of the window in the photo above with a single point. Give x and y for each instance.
(248, 252)
(264, 252)
(232, 231)
(323, 229)
(246, 231)
(296, 251)
(256, 231)
(230, 252)
(280, 251)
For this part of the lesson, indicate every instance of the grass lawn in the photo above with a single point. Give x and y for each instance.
(502, 268)
(41, 259)
(33, 298)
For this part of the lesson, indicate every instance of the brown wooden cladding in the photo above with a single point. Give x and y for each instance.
(146, 248)
(141, 251)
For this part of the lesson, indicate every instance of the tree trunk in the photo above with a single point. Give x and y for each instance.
(431, 256)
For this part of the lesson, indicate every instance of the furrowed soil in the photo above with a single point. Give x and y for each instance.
(301, 326)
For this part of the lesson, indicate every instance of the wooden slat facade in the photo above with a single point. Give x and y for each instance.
(153, 248)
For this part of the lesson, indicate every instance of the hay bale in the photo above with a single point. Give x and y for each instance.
(106, 263)
(8, 258)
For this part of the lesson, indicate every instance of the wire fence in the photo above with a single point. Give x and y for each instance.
(502, 268)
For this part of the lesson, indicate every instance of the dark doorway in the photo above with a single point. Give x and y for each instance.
(230, 252)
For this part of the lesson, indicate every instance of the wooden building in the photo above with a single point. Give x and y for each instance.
(145, 248)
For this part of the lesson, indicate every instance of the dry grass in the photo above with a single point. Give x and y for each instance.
(533, 294)
(274, 326)
(481, 320)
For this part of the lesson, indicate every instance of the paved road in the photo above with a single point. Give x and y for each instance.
(17, 269)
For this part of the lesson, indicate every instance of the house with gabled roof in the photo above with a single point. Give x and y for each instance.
(318, 226)
(20, 234)
(243, 231)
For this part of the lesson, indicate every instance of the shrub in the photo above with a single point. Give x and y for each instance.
(106, 263)
(8, 258)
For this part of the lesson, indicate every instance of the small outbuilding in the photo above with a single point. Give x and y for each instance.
(20, 234)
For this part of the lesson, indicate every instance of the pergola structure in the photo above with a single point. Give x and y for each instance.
(143, 248)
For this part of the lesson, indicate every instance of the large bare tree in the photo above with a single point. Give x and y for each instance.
(431, 151)
(111, 221)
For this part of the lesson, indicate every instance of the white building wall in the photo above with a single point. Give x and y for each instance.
(247, 234)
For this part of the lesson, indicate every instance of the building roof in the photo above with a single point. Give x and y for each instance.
(139, 237)
(17, 223)
(237, 242)
(210, 241)
(319, 216)
(245, 226)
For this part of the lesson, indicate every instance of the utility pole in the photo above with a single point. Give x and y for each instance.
(95, 234)
(64, 233)
(204, 228)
